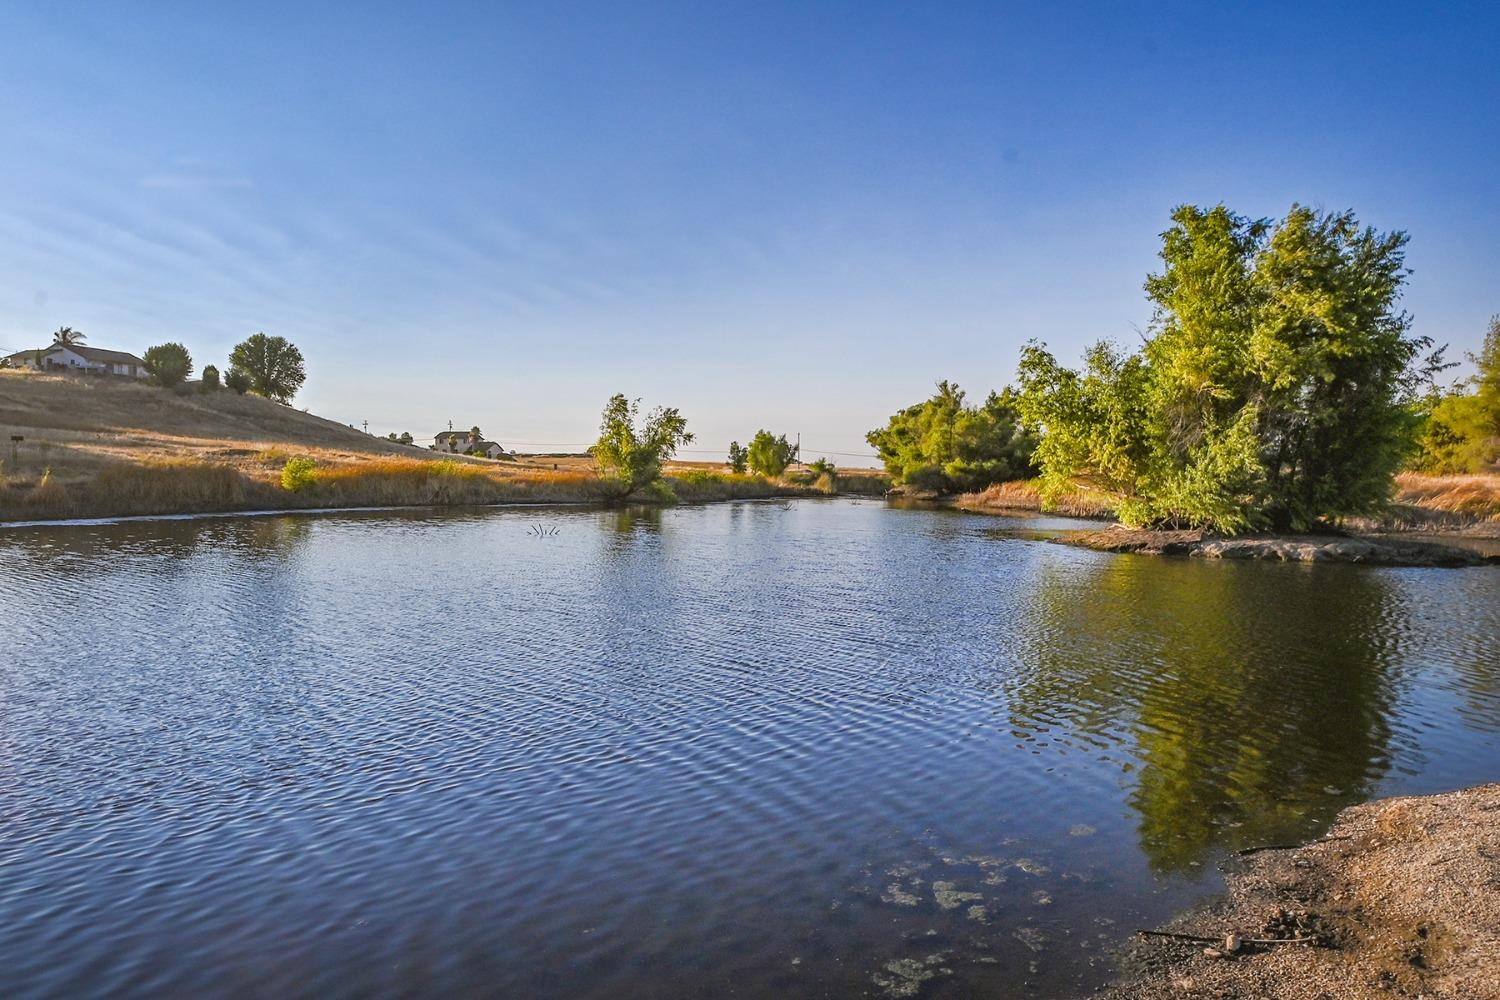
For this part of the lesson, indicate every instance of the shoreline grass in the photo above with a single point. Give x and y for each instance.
(1022, 496)
(185, 486)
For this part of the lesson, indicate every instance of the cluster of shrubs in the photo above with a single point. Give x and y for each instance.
(268, 366)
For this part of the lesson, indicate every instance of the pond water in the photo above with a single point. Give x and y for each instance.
(825, 748)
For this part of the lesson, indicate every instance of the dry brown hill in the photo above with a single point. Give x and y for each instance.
(77, 425)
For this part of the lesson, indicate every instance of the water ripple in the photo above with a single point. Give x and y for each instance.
(833, 749)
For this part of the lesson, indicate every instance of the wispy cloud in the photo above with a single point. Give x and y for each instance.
(186, 181)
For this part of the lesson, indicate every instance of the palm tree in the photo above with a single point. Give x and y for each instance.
(68, 336)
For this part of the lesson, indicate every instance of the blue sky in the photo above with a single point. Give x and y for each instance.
(792, 216)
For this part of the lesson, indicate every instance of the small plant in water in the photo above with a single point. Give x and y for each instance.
(298, 474)
(542, 531)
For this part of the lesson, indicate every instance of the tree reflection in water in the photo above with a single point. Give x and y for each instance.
(1251, 701)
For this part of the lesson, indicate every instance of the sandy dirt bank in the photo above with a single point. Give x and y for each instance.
(1400, 899)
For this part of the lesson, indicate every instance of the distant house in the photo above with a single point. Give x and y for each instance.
(464, 443)
(77, 358)
(453, 441)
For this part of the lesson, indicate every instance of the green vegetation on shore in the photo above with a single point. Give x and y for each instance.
(769, 455)
(1278, 387)
(1274, 390)
(630, 452)
(1462, 429)
(946, 445)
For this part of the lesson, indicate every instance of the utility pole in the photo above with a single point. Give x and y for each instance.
(799, 447)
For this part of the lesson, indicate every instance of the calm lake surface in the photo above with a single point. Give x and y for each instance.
(827, 748)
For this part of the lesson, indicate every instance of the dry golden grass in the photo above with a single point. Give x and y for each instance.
(1022, 495)
(1476, 497)
(1421, 503)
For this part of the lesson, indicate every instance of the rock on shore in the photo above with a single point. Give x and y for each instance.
(1286, 548)
(1401, 899)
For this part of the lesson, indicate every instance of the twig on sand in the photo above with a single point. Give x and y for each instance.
(1200, 939)
(1286, 847)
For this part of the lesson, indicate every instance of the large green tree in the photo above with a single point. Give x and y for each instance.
(630, 451)
(769, 454)
(169, 364)
(949, 445)
(1274, 388)
(272, 365)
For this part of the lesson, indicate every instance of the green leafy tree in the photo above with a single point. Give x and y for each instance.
(169, 364)
(1461, 432)
(273, 366)
(769, 455)
(950, 446)
(630, 452)
(405, 437)
(738, 458)
(68, 336)
(475, 434)
(237, 381)
(1275, 387)
(210, 379)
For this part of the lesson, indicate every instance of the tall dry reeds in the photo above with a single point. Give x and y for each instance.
(1022, 495)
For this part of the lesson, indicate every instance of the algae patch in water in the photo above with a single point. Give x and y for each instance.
(904, 977)
(950, 897)
(895, 894)
(1031, 867)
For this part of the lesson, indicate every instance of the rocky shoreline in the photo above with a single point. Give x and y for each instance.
(1400, 899)
(1283, 548)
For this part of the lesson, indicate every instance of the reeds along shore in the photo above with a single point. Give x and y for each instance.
(189, 487)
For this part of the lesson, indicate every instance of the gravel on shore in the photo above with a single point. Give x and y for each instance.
(1400, 899)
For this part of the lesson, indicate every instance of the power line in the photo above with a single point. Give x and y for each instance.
(842, 454)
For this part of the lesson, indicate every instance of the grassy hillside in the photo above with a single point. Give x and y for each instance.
(104, 447)
(80, 425)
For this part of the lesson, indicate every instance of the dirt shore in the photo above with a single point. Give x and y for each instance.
(1400, 899)
(1284, 548)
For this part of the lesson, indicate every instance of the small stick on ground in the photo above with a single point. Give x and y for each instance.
(1200, 939)
(1286, 847)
